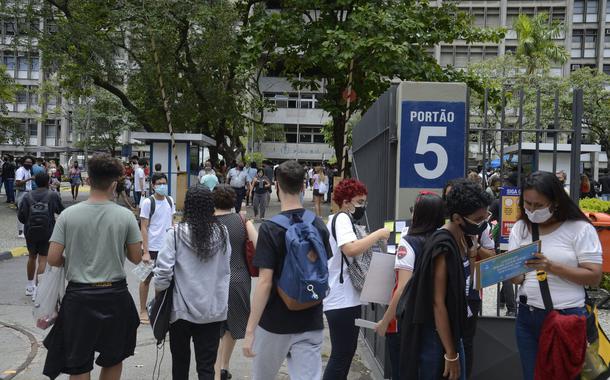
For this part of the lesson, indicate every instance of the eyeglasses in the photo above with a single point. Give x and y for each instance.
(361, 204)
(481, 222)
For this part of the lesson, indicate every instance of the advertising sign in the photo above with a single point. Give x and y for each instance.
(509, 213)
(432, 143)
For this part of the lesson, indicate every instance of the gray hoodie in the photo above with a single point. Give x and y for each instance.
(201, 290)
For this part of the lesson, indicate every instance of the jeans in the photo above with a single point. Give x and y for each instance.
(137, 195)
(508, 294)
(206, 338)
(260, 204)
(9, 189)
(431, 359)
(393, 347)
(468, 334)
(343, 339)
(528, 327)
(240, 194)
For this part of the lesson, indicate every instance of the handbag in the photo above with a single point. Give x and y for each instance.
(594, 363)
(249, 251)
(160, 308)
(359, 266)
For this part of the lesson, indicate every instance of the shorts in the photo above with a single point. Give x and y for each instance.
(316, 193)
(153, 256)
(40, 248)
(92, 319)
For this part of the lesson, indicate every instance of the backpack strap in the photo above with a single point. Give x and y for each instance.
(282, 221)
(169, 200)
(333, 228)
(545, 292)
(152, 207)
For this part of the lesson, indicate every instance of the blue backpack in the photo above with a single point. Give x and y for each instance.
(303, 282)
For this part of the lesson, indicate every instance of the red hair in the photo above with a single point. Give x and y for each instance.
(347, 189)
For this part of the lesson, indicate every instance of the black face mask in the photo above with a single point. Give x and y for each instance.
(27, 166)
(358, 212)
(472, 229)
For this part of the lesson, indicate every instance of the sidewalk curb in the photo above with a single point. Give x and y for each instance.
(15, 252)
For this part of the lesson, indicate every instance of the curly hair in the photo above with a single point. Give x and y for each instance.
(103, 170)
(347, 189)
(206, 232)
(224, 197)
(465, 198)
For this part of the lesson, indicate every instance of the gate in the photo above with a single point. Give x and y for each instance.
(518, 139)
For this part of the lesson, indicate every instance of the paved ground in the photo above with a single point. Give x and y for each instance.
(20, 340)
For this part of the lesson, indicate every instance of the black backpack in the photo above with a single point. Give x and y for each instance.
(153, 205)
(39, 221)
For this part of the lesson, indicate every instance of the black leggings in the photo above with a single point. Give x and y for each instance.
(344, 341)
(206, 338)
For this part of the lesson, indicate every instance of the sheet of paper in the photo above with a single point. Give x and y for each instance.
(397, 238)
(391, 249)
(389, 225)
(379, 280)
(505, 266)
(364, 323)
(400, 225)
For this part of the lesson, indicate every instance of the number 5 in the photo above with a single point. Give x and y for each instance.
(423, 147)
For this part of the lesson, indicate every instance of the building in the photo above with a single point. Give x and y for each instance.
(587, 38)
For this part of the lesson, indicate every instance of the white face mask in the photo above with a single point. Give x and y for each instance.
(539, 216)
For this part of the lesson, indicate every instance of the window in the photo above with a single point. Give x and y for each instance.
(9, 28)
(590, 43)
(577, 44)
(461, 56)
(585, 11)
(591, 11)
(608, 11)
(9, 60)
(23, 66)
(446, 55)
(579, 11)
(607, 69)
(492, 17)
(32, 128)
(291, 100)
(307, 134)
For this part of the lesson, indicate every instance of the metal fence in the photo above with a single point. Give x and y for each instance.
(493, 141)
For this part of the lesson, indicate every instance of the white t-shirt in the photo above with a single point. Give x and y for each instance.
(572, 243)
(405, 254)
(22, 174)
(486, 240)
(161, 220)
(139, 174)
(341, 295)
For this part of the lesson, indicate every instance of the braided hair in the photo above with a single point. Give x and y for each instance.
(206, 232)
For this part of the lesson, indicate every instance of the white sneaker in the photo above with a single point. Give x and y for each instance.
(21, 235)
(29, 290)
(34, 293)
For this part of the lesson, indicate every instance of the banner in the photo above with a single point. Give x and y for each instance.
(509, 213)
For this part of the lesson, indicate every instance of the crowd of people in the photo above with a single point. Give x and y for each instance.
(429, 325)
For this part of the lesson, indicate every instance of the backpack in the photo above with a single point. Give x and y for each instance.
(303, 282)
(39, 221)
(153, 205)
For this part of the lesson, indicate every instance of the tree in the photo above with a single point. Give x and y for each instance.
(536, 47)
(360, 45)
(10, 130)
(100, 120)
(119, 46)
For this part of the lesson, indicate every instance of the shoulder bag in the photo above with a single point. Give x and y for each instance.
(249, 251)
(160, 308)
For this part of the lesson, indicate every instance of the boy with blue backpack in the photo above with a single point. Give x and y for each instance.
(286, 318)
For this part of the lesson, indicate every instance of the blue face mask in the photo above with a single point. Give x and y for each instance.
(161, 190)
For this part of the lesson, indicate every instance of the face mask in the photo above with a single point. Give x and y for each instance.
(27, 166)
(472, 229)
(539, 216)
(358, 212)
(161, 190)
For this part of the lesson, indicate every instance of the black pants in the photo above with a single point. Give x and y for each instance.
(508, 295)
(393, 346)
(240, 194)
(344, 341)
(469, 332)
(206, 338)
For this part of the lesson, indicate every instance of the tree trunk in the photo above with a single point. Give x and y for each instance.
(338, 139)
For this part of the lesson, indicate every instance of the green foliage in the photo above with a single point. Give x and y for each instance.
(594, 205)
(10, 130)
(605, 283)
(378, 40)
(254, 156)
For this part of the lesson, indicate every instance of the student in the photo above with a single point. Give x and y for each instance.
(156, 216)
(37, 238)
(494, 188)
(139, 181)
(23, 184)
(342, 306)
(76, 179)
(434, 318)
(274, 332)
(251, 172)
(91, 240)
(234, 328)
(8, 178)
(571, 256)
(428, 216)
(237, 178)
(196, 254)
(209, 178)
(319, 180)
(38, 167)
(261, 186)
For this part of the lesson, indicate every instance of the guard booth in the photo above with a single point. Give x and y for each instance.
(414, 138)
(189, 149)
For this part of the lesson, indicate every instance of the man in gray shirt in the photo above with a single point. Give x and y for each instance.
(237, 178)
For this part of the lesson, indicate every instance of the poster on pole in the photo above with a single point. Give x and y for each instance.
(509, 213)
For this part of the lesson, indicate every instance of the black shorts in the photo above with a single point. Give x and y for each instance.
(92, 319)
(40, 248)
(316, 193)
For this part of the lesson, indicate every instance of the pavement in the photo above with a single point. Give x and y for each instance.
(22, 354)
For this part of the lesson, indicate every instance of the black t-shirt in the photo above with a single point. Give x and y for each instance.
(270, 254)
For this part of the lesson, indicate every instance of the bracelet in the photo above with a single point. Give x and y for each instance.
(457, 356)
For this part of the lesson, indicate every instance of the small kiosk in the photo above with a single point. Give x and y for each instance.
(189, 148)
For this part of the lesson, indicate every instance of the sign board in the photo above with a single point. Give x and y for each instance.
(509, 213)
(505, 266)
(432, 139)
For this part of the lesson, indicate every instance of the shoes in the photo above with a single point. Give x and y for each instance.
(29, 290)
(34, 294)
(225, 374)
(511, 313)
(21, 235)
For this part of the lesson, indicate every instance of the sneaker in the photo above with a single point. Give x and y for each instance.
(34, 294)
(29, 290)
(511, 313)
(21, 235)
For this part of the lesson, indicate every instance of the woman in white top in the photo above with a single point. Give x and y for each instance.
(342, 305)
(571, 256)
(320, 187)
